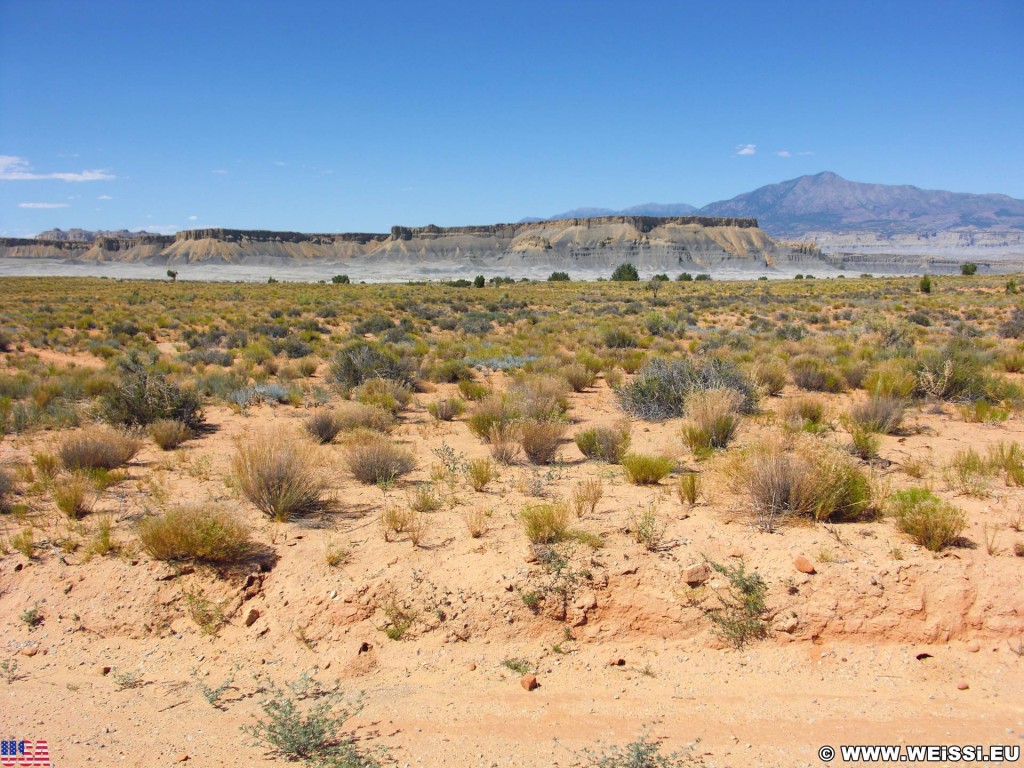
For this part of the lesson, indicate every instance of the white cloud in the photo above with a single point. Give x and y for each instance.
(806, 154)
(43, 205)
(278, 162)
(192, 218)
(14, 168)
(219, 172)
(745, 149)
(104, 197)
(784, 153)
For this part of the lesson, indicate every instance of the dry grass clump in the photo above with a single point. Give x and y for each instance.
(168, 434)
(480, 473)
(811, 373)
(98, 448)
(970, 473)
(203, 534)
(604, 443)
(880, 413)
(545, 523)
(493, 411)
(386, 394)
(280, 476)
(540, 398)
(75, 495)
(447, 408)
(643, 469)
(6, 490)
(477, 522)
(689, 488)
(808, 413)
(927, 519)
(586, 495)
(579, 377)
(352, 416)
(540, 439)
(713, 418)
(504, 443)
(375, 459)
(323, 425)
(808, 479)
(770, 375)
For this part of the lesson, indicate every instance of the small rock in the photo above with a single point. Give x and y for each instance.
(697, 574)
(962, 685)
(529, 555)
(616, 662)
(30, 650)
(973, 648)
(735, 553)
(786, 624)
(471, 667)
(529, 682)
(183, 758)
(804, 565)
(251, 616)
(364, 647)
(104, 670)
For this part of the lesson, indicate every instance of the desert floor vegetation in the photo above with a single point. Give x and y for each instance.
(418, 483)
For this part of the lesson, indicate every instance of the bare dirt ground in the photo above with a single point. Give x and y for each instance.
(885, 643)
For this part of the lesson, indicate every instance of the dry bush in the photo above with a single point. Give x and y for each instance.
(6, 490)
(586, 495)
(387, 394)
(98, 448)
(689, 488)
(643, 469)
(540, 398)
(374, 459)
(927, 519)
(394, 520)
(540, 439)
(879, 413)
(447, 408)
(323, 425)
(545, 523)
(480, 473)
(504, 443)
(168, 434)
(712, 419)
(579, 377)
(808, 479)
(477, 522)
(280, 475)
(770, 375)
(808, 413)
(493, 411)
(204, 534)
(812, 373)
(353, 416)
(75, 495)
(970, 473)
(604, 443)
(423, 499)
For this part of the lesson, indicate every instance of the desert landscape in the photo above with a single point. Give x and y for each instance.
(492, 523)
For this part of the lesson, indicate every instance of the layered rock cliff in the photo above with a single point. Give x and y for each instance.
(650, 242)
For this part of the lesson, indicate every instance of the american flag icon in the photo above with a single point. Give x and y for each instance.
(30, 754)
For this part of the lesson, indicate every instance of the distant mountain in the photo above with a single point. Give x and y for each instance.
(826, 202)
(644, 209)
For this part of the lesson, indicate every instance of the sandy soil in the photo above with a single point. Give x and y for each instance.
(842, 663)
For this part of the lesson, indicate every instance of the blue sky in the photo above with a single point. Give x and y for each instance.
(343, 116)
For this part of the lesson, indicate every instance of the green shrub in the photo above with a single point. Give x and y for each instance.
(558, 277)
(209, 535)
(446, 408)
(642, 469)
(375, 459)
(279, 476)
(540, 397)
(494, 411)
(545, 523)
(660, 389)
(811, 373)
(75, 495)
(970, 268)
(625, 273)
(352, 416)
(472, 390)
(386, 394)
(144, 395)
(879, 413)
(927, 519)
(6, 490)
(970, 473)
(740, 617)
(807, 413)
(98, 448)
(579, 377)
(604, 443)
(1008, 458)
(639, 754)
